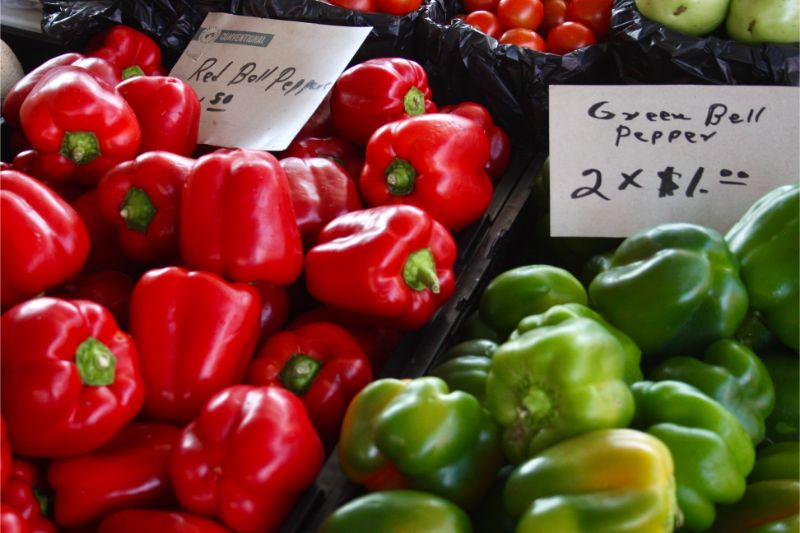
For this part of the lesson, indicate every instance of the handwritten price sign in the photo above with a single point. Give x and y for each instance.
(624, 158)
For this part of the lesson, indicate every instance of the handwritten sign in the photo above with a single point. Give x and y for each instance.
(259, 80)
(624, 158)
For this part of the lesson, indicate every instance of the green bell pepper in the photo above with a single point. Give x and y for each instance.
(562, 378)
(465, 367)
(475, 328)
(418, 435)
(712, 452)
(766, 241)
(779, 461)
(754, 334)
(397, 511)
(674, 288)
(490, 515)
(784, 422)
(617, 480)
(766, 507)
(527, 290)
(731, 374)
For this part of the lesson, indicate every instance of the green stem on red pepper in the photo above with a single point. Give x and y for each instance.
(414, 102)
(400, 177)
(299, 372)
(96, 363)
(137, 210)
(419, 272)
(80, 147)
(132, 71)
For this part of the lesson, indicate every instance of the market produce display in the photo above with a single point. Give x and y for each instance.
(372, 330)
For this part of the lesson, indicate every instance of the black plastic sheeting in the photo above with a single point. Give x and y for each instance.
(647, 52)
(512, 82)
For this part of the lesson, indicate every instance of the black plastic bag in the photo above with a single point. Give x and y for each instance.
(647, 52)
(391, 36)
(171, 23)
(512, 82)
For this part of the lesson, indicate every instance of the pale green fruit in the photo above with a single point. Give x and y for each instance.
(764, 21)
(692, 17)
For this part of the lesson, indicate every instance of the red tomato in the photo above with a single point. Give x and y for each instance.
(398, 7)
(479, 5)
(594, 14)
(555, 13)
(569, 36)
(356, 5)
(524, 38)
(520, 13)
(486, 22)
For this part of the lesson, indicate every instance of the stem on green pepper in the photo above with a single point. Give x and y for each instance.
(419, 272)
(299, 372)
(80, 147)
(414, 102)
(137, 210)
(96, 363)
(400, 177)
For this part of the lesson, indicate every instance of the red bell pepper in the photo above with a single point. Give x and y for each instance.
(100, 68)
(246, 457)
(320, 123)
(43, 241)
(109, 288)
(394, 263)
(321, 363)
(141, 199)
(321, 191)
(5, 455)
(196, 333)
(274, 308)
(376, 92)
(344, 153)
(168, 111)
(80, 126)
(11, 520)
(104, 250)
(237, 218)
(70, 377)
(132, 52)
(499, 143)
(24, 493)
(133, 521)
(434, 162)
(129, 471)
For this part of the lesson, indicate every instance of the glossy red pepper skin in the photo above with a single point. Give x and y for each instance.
(196, 333)
(98, 67)
(168, 112)
(499, 143)
(141, 199)
(246, 457)
(11, 520)
(237, 218)
(104, 250)
(109, 288)
(322, 364)
(135, 521)
(435, 162)
(79, 125)
(43, 241)
(23, 492)
(376, 92)
(5, 455)
(128, 50)
(274, 308)
(61, 394)
(130, 471)
(321, 191)
(344, 153)
(320, 123)
(365, 262)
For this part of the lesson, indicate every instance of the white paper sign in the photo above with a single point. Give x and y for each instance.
(260, 80)
(624, 158)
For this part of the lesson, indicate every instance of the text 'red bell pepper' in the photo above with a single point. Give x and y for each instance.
(24, 493)
(43, 241)
(129, 471)
(80, 126)
(13, 101)
(135, 521)
(237, 218)
(246, 457)
(434, 162)
(342, 152)
(70, 377)
(168, 112)
(108, 288)
(321, 191)
(141, 199)
(195, 333)
(322, 364)
(499, 143)
(132, 52)
(376, 92)
(392, 262)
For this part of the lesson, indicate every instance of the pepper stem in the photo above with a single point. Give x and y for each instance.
(96, 363)
(299, 372)
(400, 177)
(42, 500)
(537, 404)
(414, 102)
(419, 272)
(137, 210)
(80, 147)
(131, 72)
